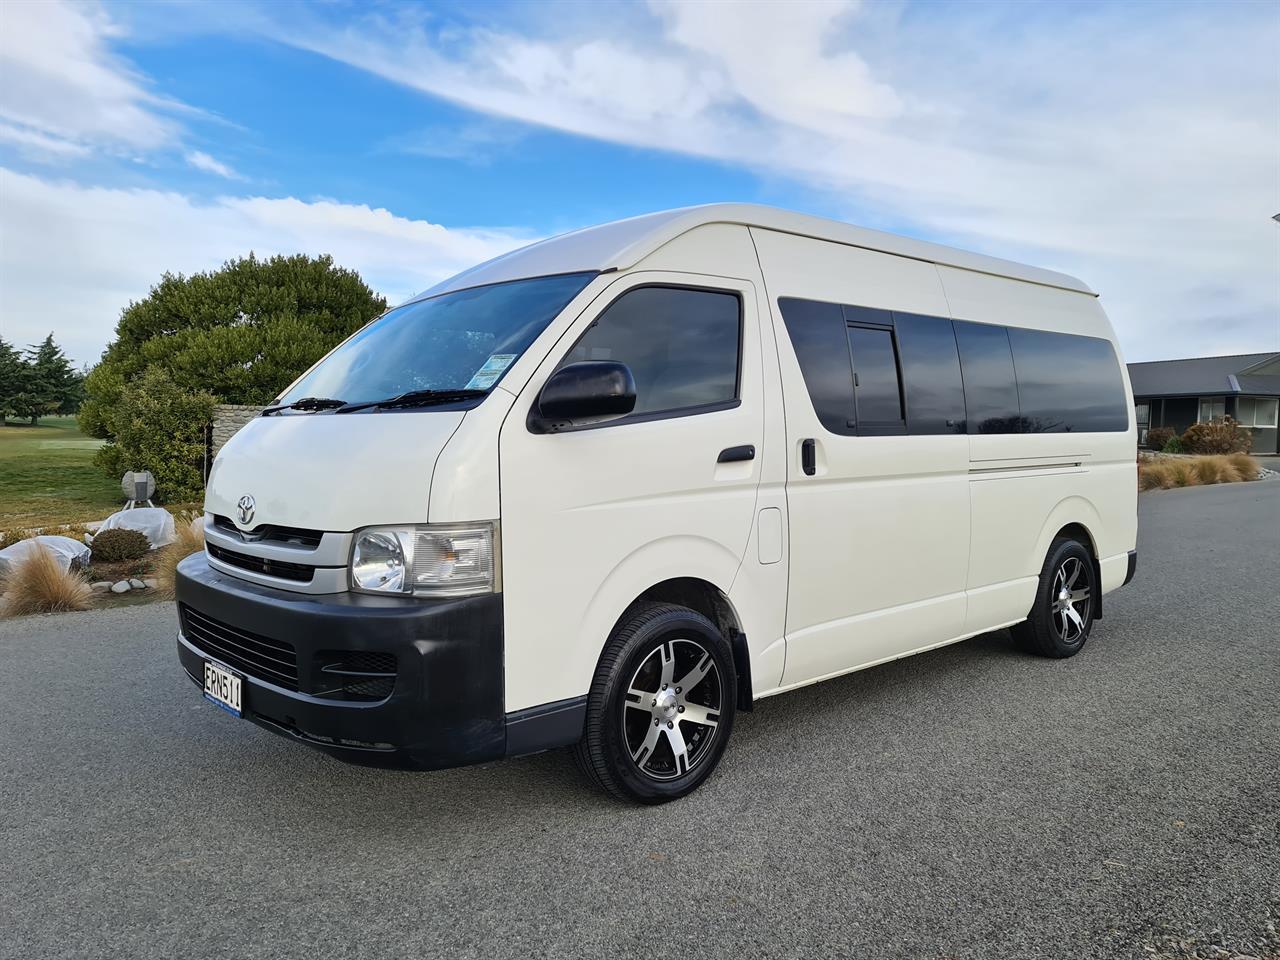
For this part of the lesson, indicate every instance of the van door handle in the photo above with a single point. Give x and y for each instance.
(734, 454)
(808, 457)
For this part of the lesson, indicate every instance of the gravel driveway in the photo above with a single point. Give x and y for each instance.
(972, 802)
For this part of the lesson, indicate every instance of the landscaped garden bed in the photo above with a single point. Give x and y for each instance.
(111, 577)
(1164, 471)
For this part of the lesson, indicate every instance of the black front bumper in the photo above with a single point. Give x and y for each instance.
(446, 706)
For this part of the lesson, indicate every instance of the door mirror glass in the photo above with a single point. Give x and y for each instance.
(590, 391)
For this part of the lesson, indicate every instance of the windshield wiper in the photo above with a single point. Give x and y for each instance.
(416, 398)
(307, 403)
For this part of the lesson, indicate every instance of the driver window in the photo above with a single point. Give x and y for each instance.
(682, 346)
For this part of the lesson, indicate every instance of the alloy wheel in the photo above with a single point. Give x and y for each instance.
(1072, 602)
(671, 710)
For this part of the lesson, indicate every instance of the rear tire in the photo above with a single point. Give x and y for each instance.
(1066, 598)
(661, 705)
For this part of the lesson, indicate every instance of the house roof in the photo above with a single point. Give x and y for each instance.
(623, 243)
(1207, 376)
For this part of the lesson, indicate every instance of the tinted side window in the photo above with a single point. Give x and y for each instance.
(817, 332)
(990, 389)
(1067, 383)
(877, 394)
(930, 374)
(681, 345)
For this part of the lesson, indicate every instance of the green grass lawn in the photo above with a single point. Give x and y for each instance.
(47, 476)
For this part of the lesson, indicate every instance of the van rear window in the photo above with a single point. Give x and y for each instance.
(930, 374)
(1067, 383)
(956, 376)
(990, 388)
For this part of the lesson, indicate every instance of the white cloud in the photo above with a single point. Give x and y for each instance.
(1134, 146)
(62, 87)
(41, 146)
(87, 251)
(202, 161)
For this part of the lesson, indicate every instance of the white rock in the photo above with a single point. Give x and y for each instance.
(149, 584)
(120, 586)
(137, 584)
(101, 585)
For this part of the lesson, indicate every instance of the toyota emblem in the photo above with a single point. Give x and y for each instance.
(245, 506)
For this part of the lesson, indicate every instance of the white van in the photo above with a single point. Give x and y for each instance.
(609, 489)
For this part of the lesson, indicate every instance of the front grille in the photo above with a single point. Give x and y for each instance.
(355, 675)
(283, 569)
(295, 536)
(271, 660)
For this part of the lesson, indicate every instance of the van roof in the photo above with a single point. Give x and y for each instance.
(624, 243)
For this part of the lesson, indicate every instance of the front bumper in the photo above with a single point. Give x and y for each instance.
(446, 706)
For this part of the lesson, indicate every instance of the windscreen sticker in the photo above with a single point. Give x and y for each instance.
(490, 371)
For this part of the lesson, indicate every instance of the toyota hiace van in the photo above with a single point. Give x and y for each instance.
(610, 489)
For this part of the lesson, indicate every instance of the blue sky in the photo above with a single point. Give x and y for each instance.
(1137, 146)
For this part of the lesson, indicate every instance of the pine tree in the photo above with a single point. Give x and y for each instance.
(13, 369)
(51, 380)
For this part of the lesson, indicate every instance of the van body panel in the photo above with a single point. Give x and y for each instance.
(333, 473)
(714, 249)
(989, 299)
(627, 244)
(465, 483)
(593, 518)
(865, 585)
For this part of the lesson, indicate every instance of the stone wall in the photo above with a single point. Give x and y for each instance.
(227, 419)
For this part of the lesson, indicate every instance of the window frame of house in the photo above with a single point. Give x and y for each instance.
(1270, 403)
(1142, 417)
(1218, 401)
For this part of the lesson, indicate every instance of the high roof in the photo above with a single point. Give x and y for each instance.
(623, 243)
(1206, 376)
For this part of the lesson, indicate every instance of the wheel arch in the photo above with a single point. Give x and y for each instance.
(1075, 518)
(714, 604)
(704, 597)
(707, 571)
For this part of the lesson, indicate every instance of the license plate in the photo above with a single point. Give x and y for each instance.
(222, 687)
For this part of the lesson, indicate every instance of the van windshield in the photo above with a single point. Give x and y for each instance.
(463, 340)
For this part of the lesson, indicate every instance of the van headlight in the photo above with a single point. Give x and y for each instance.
(427, 560)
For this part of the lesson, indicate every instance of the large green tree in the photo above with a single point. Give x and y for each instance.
(53, 382)
(37, 383)
(13, 371)
(240, 334)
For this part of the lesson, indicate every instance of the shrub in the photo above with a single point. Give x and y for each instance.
(113, 546)
(190, 540)
(159, 426)
(1210, 470)
(1172, 445)
(9, 537)
(1217, 436)
(1245, 465)
(39, 585)
(1157, 437)
(1182, 474)
(1151, 476)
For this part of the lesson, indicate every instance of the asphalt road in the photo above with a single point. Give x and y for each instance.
(972, 802)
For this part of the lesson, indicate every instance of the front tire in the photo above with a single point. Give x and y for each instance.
(661, 706)
(1066, 598)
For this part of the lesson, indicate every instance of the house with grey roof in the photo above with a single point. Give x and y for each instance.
(1178, 393)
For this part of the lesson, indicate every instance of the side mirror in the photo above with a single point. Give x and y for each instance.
(591, 391)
